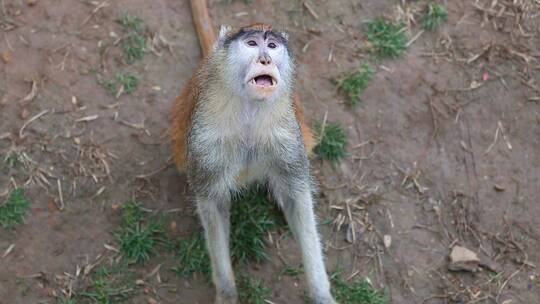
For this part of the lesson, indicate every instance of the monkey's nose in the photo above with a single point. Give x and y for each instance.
(265, 60)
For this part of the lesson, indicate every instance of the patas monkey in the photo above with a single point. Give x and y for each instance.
(236, 122)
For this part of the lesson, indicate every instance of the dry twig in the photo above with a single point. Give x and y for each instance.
(21, 134)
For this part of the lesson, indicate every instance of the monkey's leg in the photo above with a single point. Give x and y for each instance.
(215, 219)
(297, 205)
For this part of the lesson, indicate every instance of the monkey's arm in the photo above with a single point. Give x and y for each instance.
(181, 114)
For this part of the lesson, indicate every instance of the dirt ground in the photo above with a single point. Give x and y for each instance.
(444, 147)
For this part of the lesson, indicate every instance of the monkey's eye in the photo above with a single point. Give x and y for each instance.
(272, 45)
(252, 43)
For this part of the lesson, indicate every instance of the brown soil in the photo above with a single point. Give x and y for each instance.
(425, 166)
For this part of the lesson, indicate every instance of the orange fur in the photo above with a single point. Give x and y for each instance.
(258, 27)
(182, 110)
(305, 130)
(184, 106)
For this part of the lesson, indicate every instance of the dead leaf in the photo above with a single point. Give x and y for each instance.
(172, 226)
(475, 85)
(51, 206)
(24, 113)
(498, 188)
(6, 57)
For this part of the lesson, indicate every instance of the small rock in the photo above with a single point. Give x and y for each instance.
(387, 239)
(463, 259)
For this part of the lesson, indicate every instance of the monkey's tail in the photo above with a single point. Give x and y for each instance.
(203, 25)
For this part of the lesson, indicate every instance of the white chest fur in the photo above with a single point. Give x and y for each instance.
(242, 138)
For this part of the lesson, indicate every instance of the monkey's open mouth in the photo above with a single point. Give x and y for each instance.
(264, 80)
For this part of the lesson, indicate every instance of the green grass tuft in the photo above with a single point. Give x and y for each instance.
(356, 292)
(134, 47)
(251, 216)
(64, 300)
(13, 160)
(332, 142)
(193, 257)
(131, 23)
(134, 44)
(109, 285)
(387, 38)
(355, 83)
(131, 213)
(434, 17)
(12, 211)
(291, 271)
(126, 82)
(252, 291)
(137, 236)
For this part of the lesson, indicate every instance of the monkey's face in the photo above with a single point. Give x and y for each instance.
(259, 64)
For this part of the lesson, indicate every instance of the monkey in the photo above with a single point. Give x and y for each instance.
(239, 121)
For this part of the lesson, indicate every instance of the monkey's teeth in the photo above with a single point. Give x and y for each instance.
(263, 81)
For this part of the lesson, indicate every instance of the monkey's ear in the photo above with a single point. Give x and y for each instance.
(285, 36)
(224, 32)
